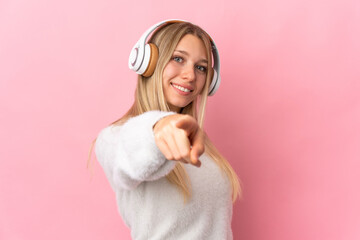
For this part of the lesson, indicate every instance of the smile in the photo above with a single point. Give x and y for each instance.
(181, 88)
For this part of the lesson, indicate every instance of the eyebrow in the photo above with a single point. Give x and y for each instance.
(187, 54)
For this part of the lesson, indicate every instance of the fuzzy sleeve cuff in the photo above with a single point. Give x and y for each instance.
(129, 154)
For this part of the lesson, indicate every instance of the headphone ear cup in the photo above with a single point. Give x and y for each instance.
(154, 55)
(212, 75)
(215, 83)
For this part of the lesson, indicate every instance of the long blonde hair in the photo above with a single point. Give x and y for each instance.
(149, 96)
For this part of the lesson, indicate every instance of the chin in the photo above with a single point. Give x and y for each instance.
(178, 105)
(181, 105)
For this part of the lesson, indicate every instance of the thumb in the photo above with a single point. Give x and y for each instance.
(197, 147)
(194, 156)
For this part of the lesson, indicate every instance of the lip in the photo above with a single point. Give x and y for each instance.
(179, 91)
(184, 86)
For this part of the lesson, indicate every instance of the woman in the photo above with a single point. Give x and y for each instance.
(170, 181)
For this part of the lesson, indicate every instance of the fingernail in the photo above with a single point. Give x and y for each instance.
(198, 164)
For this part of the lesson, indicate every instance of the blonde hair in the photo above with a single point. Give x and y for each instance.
(149, 96)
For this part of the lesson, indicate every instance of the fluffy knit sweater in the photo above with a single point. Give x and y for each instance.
(151, 206)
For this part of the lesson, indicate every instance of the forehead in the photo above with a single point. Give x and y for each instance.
(192, 45)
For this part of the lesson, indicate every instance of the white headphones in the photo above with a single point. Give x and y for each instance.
(143, 56)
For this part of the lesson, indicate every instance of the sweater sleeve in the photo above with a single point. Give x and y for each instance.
(128, 153)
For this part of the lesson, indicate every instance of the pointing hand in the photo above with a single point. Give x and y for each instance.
(180, 138)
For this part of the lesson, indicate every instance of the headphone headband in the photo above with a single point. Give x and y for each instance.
(141, 55)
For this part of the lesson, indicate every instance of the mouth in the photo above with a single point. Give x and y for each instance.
(181, 88)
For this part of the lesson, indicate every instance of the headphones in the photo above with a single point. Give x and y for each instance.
(143, 56)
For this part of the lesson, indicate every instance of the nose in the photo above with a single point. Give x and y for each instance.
(188, 73)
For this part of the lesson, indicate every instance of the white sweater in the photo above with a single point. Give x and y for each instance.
(149, 204)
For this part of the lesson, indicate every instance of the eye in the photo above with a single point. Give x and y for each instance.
(201, 68)
(178, 59)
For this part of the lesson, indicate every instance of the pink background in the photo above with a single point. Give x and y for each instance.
(286, 115)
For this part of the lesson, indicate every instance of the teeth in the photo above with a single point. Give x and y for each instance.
(181, 88)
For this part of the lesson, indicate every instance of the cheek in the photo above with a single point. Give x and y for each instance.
(201, 83)
(169, 71)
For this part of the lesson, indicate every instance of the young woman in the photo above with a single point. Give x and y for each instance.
(169, 179)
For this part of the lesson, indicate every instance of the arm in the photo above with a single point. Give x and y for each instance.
(129, 154)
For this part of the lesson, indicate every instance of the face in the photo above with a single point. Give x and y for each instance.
(185, 74)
